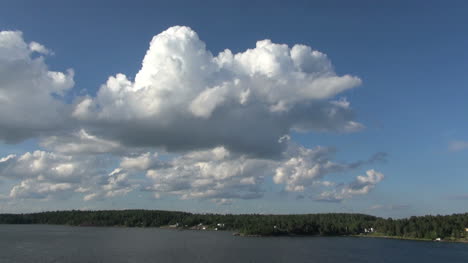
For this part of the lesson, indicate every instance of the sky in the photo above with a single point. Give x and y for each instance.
(234, 106)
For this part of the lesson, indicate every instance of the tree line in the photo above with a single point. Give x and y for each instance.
(331, 224)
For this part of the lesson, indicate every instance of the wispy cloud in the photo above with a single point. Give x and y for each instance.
(393, 207)
(456, 146)
(458, 197)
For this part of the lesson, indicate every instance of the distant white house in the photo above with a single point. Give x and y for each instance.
(438, 239)
(220, 224)
(174, 225)
(369, 230)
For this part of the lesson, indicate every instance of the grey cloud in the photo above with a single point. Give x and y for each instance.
(80, 142)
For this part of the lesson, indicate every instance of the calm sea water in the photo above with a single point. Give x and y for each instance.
(44, 243)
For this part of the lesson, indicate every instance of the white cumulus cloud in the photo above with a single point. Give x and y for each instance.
(224, 119)
(213, 174)
(45, 174)
(185, 98)
(30, 94)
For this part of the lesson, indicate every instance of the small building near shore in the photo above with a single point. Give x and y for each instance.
(176, 225)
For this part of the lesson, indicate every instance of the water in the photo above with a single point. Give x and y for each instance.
(43, 243)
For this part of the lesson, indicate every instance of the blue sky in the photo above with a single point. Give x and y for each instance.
(411, 57)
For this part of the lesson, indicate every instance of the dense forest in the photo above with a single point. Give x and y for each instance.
(451, 227)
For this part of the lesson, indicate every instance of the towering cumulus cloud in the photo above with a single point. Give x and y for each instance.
(30, 94)
(185, 98)
(190, 124)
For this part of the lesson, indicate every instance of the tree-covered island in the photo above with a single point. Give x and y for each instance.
(448, 228)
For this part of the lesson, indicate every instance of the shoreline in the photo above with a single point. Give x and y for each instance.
(240, 234)
(359, 236)
(450, 228)
(411, 238)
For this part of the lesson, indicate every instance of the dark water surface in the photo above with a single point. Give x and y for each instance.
(44, 243)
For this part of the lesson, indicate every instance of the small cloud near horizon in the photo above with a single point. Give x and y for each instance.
(456, 146)
(390, 207)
